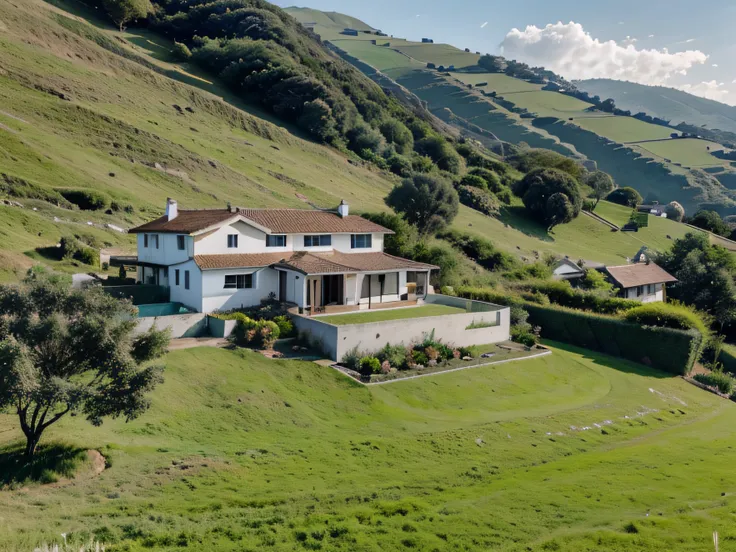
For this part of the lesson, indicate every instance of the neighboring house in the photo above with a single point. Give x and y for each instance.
(654, 209)
(565, 269)
(643, 282)
(222, 259)
(350, 32)
(427, 41)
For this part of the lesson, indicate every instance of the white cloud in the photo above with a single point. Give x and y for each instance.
(715, 65)
(567, 49)
(629, 41)
(651, 36)
(712, 90)
(484, 24)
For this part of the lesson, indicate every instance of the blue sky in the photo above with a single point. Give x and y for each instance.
(654, 24)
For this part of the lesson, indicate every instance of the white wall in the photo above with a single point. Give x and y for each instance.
(253, 240)
(294, 287)
(168, 251)
(646, 297)
(181, 325)
(216, 297)
(192, 297)
(250, 240)
(451, 329)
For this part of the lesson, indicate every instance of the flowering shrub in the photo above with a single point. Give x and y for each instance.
(370, 365)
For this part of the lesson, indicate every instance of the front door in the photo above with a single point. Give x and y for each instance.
(282, 286)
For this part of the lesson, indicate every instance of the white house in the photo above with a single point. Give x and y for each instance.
(644, 281)
(221, 259)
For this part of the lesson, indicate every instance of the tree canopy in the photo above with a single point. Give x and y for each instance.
(551, 195)
(601, 183)
(125, 11)
(72, 351)
(705, 275)
(428, 202)
(626, 196)
(528, 160)
(711, 221)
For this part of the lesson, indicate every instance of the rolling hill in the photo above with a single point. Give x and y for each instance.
(571, 451)
(493, 107)
(671, 104)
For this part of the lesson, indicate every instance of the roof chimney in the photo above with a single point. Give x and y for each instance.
(343, 209)
(172, 209)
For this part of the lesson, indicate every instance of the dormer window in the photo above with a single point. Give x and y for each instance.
(276, 240)
(232, 241)
(324, 240)
(361, 241)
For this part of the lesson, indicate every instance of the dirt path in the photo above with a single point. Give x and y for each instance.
(192, 342)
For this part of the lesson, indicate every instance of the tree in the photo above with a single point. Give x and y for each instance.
(397, 134)
(404, 238)
(441, 152)
(123, 12)
(559, 210)
(474, 181)
(601, 183)
(711, 221)
(428, 202)
(539, 186)
(72, 351)
(317, 119)
(675, 211)
(705, 275)
(595, 281)
(531, 159)
(626, 196)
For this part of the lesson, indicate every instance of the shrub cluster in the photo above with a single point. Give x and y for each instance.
(87, 200)
(482, 251)
(667, 315)
(720, 380)
(563, 294)
(73, 248)
(248, 332)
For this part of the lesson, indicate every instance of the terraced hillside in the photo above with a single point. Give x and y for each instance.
(573, 451)
(637, 153)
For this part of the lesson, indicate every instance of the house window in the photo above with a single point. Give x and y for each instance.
(186, 279)
(145, 240)
(166, 272)
(276, 241)
(639, 291)
(239, 281)
(232, 241)
(652, 289)
(361, 241)
(152, 238)
(181, 243)
(176, 277)
(318, 241)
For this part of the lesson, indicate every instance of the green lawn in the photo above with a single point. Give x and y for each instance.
(497, 82)
(380, 57)
(689, 152)
(573, 451)
(381, 315)
(550, 104)
(439, 54)
(623, 129)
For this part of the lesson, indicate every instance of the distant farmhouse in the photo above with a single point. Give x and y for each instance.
(654, 209)
(427, 41)
(644, 281)
(350, 32)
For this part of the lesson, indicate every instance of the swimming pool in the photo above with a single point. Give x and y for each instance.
(162, 309)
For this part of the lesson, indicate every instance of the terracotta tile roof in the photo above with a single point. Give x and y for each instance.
(300, 221)
(278, 221)
(186, 222)
(639, 274)
(247, 260)
(312, 263)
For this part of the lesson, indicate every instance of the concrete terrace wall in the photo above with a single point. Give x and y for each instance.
(220, 328)
(181, 325)
(325, 334)
(451, 328)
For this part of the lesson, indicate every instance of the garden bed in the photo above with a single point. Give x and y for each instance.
(483, 355)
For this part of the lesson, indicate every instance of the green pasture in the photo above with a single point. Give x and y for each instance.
(689, 152)
(497, 82)
(623, 129)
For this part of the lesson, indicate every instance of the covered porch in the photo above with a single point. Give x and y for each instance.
(348, 292)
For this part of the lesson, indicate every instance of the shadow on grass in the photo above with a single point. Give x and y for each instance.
(603, 359)
(516, 217)
(48, 253)
(51, 461)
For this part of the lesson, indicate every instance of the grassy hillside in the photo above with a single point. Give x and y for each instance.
(673, 105)
(575, 451)
(620, 145)
(85, 107)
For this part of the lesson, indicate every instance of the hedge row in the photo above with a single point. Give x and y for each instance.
(728, 359)
(561, 293)
(667, 349)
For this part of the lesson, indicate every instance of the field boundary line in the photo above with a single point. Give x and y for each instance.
(397, 380)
